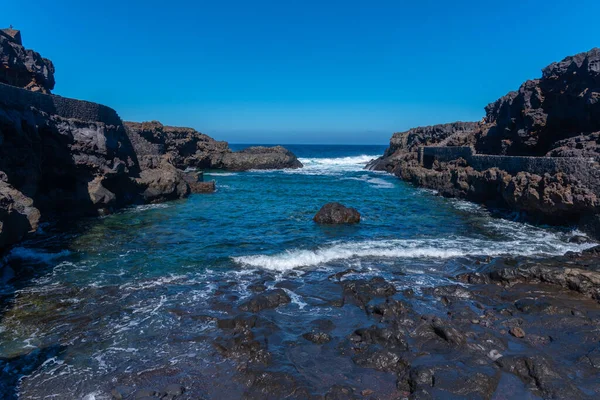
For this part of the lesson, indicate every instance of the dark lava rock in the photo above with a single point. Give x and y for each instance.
(381, 360)
(578, 239)
(363, 291)
(270, 299)
(539, 372)
(557, 115)
(317, 337)
(272, 385)
(257, 287)
(188, 148)
(584, 281)
(260, 157)
(18, 216)
(239, 322)
(336, 213)
(23, 68)
(391, 337)
(391, 309)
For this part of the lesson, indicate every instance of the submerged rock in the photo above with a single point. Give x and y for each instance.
(270, 299)
(336, 213)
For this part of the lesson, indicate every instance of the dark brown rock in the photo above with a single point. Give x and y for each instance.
(259, 157)
(24, 68)
(269, 299)
(188, 148)
(517, 332)
(556, 115)
(336, 213)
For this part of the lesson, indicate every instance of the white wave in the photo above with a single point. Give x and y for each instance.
(373, 181)
(221, 174)
(25, 253)
(525, 244)
(146, 207)
(332, 166)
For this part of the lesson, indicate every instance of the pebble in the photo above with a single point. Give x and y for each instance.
(517, 332)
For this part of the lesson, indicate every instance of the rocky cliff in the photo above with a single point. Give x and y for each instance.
(557, 115)
(61, 157)
(564, 103)
(188, 148)
(22, 67)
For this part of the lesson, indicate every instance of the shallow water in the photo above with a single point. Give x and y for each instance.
(130, 298)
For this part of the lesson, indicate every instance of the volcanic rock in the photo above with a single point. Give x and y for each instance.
(24, 68)
(259, 157)
(336, 213)
(269, 299)
(188, 148)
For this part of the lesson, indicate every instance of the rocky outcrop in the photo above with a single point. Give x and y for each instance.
(18, 216)
(259, 157)
(336, 213)
(188, 148)
(22, 67)
(60, 156)
(557, 116)
(61, 165)
(563, 103)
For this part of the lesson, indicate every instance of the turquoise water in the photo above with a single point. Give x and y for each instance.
(99, 302)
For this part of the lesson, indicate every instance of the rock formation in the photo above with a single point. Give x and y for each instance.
(336, 213)
(259, 157)
(188, 148)
(563, 103)
(21, 67)
(557, 115)
(61, 156)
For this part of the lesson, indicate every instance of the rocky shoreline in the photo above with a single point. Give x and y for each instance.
(516, 328)
(557, 115)
(64, 158)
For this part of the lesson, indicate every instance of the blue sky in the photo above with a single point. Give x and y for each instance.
(300, 71)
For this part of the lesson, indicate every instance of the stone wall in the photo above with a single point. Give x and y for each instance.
(56, 105)
(444, 154)
(584, 169)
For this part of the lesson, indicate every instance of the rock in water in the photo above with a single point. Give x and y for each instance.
(336, 213)
(259, 157)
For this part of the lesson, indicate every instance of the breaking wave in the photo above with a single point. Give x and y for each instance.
(541, 244)
(332, 166)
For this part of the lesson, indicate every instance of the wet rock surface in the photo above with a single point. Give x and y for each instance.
(526, 335)
(336, 213)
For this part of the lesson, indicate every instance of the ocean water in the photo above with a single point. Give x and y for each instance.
(132, 297)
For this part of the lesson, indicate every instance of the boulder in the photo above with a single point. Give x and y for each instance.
(336, 213)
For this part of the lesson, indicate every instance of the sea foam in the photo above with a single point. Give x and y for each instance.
(547, 244)
(332, 166)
